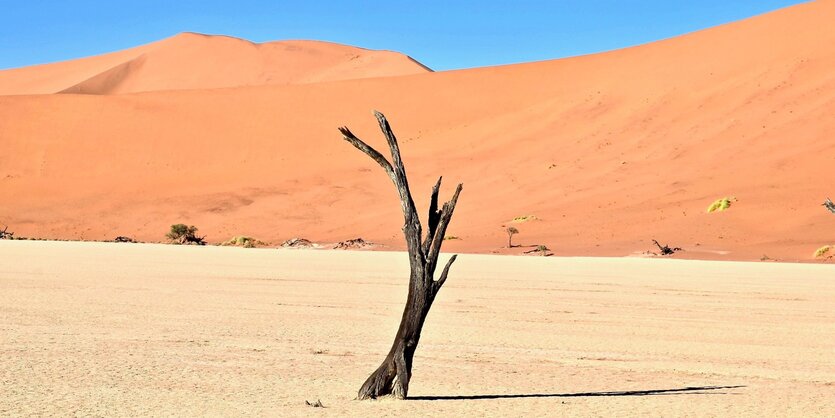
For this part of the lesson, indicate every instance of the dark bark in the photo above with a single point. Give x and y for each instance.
(665, 249)
(394, 374)
(829, 205)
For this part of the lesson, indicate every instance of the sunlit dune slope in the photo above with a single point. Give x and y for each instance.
(607, 151)
(195, 61)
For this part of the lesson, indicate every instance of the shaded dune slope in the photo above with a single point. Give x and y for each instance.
(607, 151)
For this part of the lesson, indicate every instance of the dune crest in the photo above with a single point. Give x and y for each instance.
(197, 61)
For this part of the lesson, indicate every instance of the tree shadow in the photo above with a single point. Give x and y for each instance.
(690, 390)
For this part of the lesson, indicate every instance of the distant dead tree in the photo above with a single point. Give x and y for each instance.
(665, 249)
(393, 375)
(511, 230)
(5, 234)
(829, 205)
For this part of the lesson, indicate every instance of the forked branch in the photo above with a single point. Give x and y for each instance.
(443, 223)
(434, 216)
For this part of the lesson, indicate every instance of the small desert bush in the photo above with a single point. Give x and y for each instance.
(450, 238)
(720, 204)
(822, 251)
(184, 234)
(243, 241)
(524, 218)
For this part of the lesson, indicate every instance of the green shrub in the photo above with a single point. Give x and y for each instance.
(822, 251)
(243, 241)
(183, 234)
(720, 204)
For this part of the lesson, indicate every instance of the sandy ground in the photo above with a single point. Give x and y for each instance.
(93, 329)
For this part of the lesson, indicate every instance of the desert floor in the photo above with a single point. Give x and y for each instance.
(93, 329)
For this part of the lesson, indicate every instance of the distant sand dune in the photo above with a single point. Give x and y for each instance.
(196, 61)
(608, 151)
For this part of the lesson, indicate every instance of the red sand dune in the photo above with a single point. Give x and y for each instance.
(195, 61)
(608, 151)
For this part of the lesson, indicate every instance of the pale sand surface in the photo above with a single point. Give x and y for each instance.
(93, 329)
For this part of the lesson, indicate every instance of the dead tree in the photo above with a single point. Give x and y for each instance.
(829, 205)
(665, 249)
(393, 375)
(5, 234)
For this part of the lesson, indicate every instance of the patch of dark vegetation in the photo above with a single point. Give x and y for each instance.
(181, 234)
(666, 249)
(352, 244)
(121, 238)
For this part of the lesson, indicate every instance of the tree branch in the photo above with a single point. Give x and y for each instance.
(396, 161)
(397, 173)
(411, 227)
(441, 280)
(371, 152)
(446, 216)
(434, 217)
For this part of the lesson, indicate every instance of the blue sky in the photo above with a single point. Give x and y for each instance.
(442, 34)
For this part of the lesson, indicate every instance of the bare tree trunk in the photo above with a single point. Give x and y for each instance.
(393, 375)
